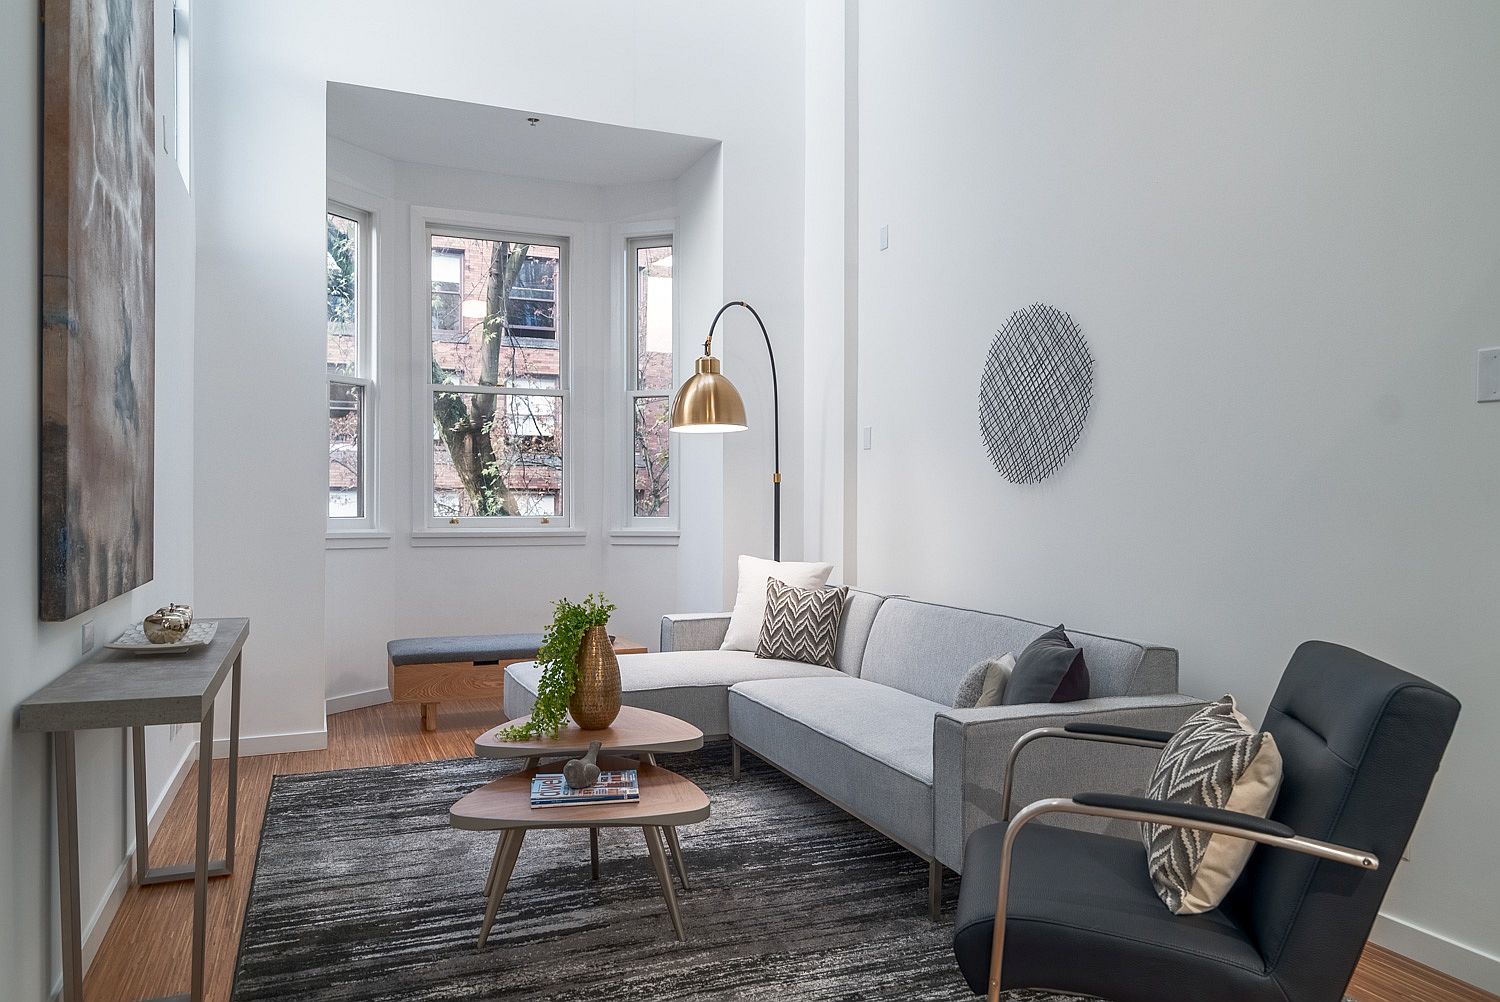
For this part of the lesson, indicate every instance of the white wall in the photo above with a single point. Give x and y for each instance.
(675, 67)
(33, 653)
(1278, 224)
(397, 589)
(831, 286)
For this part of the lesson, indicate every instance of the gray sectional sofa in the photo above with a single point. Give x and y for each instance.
(877, 734)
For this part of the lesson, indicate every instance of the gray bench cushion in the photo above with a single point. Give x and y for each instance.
(867, 747)
(690, 685)
(489, 647)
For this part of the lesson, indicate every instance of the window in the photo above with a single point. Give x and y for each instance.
(498, 382)
(178, 133)
(350, 366)
(648, 352)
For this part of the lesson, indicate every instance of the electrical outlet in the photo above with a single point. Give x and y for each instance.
(885, 237)
(88, 636)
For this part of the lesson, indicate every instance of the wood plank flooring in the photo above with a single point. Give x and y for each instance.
(146, 951)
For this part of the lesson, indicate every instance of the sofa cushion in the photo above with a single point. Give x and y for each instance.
(691, 685)
(925, 649)
(866, 747)
(854, 629)
(802, 624)
(750, 598)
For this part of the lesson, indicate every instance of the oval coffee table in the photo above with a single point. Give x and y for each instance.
(504, 805)
(645, 732)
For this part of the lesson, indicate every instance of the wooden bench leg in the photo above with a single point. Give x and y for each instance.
(429, 716)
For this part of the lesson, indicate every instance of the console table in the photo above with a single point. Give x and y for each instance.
(119, 689)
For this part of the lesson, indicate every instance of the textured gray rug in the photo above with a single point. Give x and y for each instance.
(363, 892)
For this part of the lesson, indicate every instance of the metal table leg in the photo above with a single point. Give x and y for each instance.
(145, 873)
(66, 766)
(233, 792)
(200, 872)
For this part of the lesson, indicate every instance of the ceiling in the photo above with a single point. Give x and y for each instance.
(411, 128)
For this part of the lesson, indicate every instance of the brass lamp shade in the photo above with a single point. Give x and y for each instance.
(708, 402)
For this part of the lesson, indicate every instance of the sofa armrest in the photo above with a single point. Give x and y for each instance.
(693, 631)
(970, 748)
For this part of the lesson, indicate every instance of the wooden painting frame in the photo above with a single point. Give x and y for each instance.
(98, 302)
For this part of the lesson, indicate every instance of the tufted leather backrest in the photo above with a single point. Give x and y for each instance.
(1360, 742)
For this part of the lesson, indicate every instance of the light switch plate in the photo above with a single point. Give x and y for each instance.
(885, 237)
(1487, 375)
(88, 636)
(865, 435)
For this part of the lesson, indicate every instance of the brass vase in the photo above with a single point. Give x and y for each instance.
(596, 697)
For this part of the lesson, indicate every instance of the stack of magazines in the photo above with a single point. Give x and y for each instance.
(550, 789)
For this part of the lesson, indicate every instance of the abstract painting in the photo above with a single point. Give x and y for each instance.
(98, 300)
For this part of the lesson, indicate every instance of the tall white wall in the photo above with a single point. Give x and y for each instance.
(675, 67)
(34, 653)
(376, 593)
(1278, 224)
(830, 284)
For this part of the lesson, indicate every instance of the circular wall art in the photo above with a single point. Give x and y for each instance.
(1035, 392)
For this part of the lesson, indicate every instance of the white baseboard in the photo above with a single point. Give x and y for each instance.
(1460, 960)
(271, 744)
(358, 700)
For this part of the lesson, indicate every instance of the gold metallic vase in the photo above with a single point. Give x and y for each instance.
(596, 697)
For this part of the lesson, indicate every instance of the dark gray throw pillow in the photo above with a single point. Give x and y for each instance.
(801, 624)
(1049, 670)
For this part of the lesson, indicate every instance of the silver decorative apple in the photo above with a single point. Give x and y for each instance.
(169, 624)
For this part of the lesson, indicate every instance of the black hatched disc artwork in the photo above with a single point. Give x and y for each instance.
(1035, 393)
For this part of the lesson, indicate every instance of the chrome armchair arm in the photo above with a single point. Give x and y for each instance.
(1107, 733)
(1144, 811)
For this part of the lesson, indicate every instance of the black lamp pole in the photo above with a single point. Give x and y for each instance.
(776, 419)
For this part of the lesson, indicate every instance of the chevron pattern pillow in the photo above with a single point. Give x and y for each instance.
(1216, 759)
(801, 624)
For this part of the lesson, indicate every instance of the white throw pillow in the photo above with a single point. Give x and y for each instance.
(749, 613)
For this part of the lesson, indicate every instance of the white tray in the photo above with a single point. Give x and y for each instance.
(134, 640)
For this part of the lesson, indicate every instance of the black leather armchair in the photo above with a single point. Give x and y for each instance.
(1360, 743)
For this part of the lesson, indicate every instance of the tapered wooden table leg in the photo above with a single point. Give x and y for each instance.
(510, 848)
(659, 860)
(677, 860)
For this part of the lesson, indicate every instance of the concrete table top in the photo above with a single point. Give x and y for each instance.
(120, 689)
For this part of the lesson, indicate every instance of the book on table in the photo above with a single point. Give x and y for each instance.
(551, 789)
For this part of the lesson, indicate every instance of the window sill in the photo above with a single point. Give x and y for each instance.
(357, 539)
(644, 537)
(499, 537)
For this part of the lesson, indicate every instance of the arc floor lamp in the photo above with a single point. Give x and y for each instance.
(707, 402)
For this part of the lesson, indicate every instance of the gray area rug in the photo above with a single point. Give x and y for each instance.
(363, 892)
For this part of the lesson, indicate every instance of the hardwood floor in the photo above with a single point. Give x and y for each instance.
(145, 952)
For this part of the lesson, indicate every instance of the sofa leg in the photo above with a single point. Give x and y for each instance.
(934, 890)
(735, 759)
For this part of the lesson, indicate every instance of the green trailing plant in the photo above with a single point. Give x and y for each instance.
(558, 658)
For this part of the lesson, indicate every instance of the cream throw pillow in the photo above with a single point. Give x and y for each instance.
(995, 679)
(749, 613)
(1216, 759)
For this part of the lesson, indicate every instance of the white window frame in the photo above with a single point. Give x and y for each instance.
(428, 528)
(365, 371)
(628, 526)
(178, 133)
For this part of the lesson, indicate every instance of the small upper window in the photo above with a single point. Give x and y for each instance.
(177, 131)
